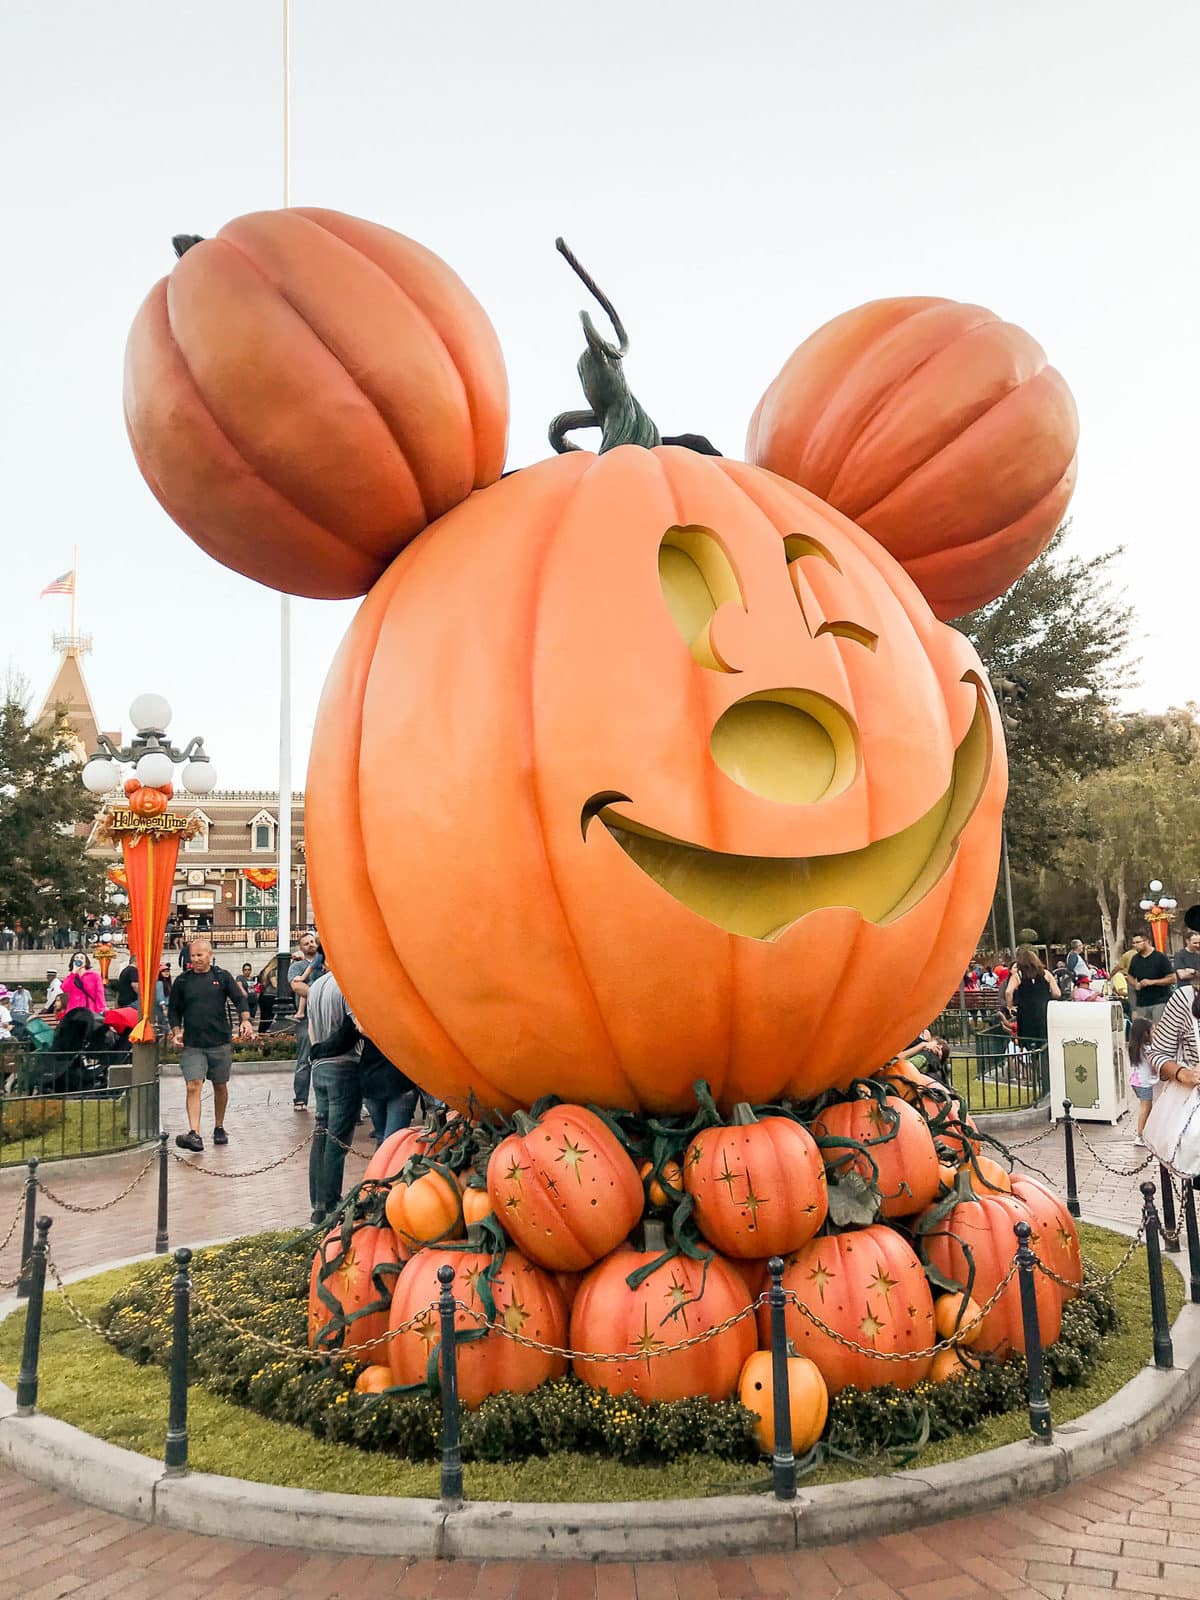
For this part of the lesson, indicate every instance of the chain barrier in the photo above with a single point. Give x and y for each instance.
(250, 1172)
(105, 1205)
(350, 1149)
(1118, 1172)
(1092, 1278)
(12, 1228)
(1051, 1127)
(76, 1311)
(305, 1352)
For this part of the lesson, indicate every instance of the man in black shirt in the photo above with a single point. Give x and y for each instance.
(1151, 978)
(127, 984)
(200, 1024)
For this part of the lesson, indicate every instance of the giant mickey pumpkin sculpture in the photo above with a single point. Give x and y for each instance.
(630, 762)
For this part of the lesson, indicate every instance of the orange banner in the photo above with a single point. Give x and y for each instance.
(150, 873)
(261, 877)
(116, 876)
(1160, 923)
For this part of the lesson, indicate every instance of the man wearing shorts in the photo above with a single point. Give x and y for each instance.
(200, 1023)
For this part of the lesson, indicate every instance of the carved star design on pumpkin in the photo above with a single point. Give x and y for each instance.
(694, 1155)
(572, 1155)
(552, 1185)
(346, 1270)
(819, 1277)
(513, 1203)
(1065, 1238)
(514, 1316)
(752, 1201)
(727, 1177)
(515, 1169)
(677, 1296)
(645, 1344)
(473, 1276)
(870, 1326)
(878, 1121)
(427, 1330)
(884, 1284)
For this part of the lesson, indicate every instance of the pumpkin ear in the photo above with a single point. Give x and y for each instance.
(936, 427)
(307, 391)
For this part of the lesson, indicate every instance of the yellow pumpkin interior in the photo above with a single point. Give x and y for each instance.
(760, 897)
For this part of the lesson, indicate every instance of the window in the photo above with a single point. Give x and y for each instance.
(262, 833)
(198, 843)
(260, 907)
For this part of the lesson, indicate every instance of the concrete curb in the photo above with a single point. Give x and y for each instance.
(54, 1453)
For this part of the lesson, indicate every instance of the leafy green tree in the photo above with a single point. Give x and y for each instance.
(45, 815)
(1055, 646)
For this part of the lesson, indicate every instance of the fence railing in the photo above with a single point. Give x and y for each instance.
(57, 1125)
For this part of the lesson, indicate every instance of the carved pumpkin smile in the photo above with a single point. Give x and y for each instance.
(762, 897)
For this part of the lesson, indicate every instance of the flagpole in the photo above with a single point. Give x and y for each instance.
(283, 833)
(74, 588)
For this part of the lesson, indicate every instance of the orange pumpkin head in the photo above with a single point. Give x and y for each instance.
(897, 1141)
(693, 755)
(563, 1188)
(306, 391)
(524, 1299)
(759, 1186)
(676, 1300)
(868, 1286)
(939, 429)
(146, 802)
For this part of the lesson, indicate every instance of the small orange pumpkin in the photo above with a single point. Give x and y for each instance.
(564, 1189)
(426, 1210)
(527, 1300)
(373, 1380)
(907, 1161)
(680, 1298)
(145, 802)
(758, 1185)
(957, 1317)
(947, 1366)
(476, 1202)
(937, 427)
(808, 1400)
(868, 1286)
(656, 1194)
(988, 1174)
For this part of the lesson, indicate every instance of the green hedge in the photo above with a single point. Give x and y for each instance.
(263, 1283)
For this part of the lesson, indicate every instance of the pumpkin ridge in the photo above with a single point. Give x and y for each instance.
(371, 617)
(317, 215)
(431, 331)
(300, 317)
(832, 421)
(560, 513)
(894, 393)
(905, 483)
(326, 535)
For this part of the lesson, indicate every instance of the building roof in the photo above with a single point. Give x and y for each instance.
(69, 691)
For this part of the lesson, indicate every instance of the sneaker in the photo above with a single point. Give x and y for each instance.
(299, 1105)
(220, 1136)
(190, 1140)
(1139, 1142)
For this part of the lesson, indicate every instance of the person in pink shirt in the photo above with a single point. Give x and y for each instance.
(82, 986)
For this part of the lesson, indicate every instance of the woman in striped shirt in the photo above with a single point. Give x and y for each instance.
(1173, 1046)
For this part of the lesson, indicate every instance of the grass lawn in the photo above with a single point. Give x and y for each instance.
(88, 1128)
(86, 1383)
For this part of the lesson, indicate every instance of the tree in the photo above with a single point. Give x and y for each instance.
(1136, 820)
(1055, 648)
(45, 875)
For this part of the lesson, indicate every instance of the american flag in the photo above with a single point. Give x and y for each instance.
(63, 585)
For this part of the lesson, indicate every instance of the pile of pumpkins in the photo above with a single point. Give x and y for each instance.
(894, 1229)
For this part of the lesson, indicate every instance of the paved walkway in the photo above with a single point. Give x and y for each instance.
(1133, 1531)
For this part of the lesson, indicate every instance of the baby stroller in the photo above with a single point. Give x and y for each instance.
(75, 1053)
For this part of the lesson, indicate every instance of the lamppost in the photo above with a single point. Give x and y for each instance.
(149, 834)
(1158, 907)
(152, 755)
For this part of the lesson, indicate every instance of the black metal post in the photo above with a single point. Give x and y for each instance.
(1193, 1236)
(1169, 1225)
(1069, 1151)
(27, 1229)
(783, 1461)
(176, 1453)
(27, 1378)
(452, 1473)
(161, 1242)
(1164, 1354)
(316, 1164)
(1039, 1404)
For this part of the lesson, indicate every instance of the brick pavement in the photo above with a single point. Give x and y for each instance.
(1131, 1531)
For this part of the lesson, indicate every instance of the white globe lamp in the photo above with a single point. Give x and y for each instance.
(100, 775)
(150, 713)
(154, 769)
(1155, 886)
(199, 777)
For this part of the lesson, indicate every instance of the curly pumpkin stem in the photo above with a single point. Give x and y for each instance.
(612, 407)
(523, 1123)
(743, 1115)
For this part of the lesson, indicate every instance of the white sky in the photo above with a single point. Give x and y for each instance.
(734, 175)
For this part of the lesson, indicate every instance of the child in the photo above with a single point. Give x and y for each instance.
(1142, 1076)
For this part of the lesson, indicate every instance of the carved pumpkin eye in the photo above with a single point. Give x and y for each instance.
(697, 579)
(795, 547)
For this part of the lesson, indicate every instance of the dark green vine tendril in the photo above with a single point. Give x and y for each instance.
(611, 406)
